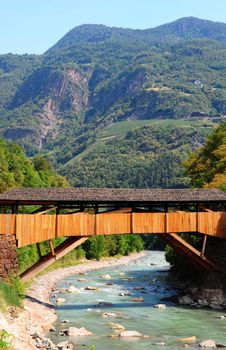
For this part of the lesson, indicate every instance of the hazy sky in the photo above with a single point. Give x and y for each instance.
(32, 26)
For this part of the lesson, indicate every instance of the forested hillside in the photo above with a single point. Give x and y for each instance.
(66, 102)
(16, 170)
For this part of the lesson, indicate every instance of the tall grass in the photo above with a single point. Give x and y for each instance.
(11, 292)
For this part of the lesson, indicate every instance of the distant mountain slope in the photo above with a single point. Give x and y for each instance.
(193, 28)
(186, 28)
(95, 76)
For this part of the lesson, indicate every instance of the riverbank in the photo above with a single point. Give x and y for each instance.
(38, 314)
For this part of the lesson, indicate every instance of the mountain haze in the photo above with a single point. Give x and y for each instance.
(100, 89)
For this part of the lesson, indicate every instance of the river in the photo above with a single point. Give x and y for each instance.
(161, 325)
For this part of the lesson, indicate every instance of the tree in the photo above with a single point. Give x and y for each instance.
(207, 166)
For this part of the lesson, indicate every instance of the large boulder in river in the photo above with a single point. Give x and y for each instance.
(188, 340)
(132, 334)
(208, 344)
(72, 289)
(76, 332)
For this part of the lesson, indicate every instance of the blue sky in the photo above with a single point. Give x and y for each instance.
(32, 26)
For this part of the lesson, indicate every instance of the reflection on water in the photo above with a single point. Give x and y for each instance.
(149, 275)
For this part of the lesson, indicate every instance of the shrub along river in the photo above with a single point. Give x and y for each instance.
(126, 295)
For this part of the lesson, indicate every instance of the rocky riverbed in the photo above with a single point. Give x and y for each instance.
(29, 326)
(130, 307)
(125, 305)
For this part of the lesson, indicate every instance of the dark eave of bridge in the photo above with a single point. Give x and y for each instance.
(74, 196)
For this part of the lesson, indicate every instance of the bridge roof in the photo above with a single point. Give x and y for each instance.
(109, 195)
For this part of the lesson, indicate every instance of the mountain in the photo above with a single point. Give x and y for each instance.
(193, 28)
(97, 80)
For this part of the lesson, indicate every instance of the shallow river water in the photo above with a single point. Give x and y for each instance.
(82, 309)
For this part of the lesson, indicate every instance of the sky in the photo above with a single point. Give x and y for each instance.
(33, 26)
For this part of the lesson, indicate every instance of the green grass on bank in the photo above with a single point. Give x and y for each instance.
(11, 293)
(4, 340)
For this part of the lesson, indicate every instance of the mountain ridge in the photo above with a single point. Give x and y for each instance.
(96, 76)
(179, 27)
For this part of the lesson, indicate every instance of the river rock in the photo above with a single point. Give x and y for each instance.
(76, 332)
(124, 294)
(106, 277)
(82, 280)
(72, 289)
(132, 334)
(91, 288)
(60, 300)
(109, 284)
(188, 340)
(82, 273)
(63, 332)
(160, 306)
(221, 345)
(138, 300)
(65, 345)
(116, 326)
(208, 344)
(105, 304)
(109, 314)
(139, 288)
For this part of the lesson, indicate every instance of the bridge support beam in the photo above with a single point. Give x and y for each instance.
(8, 256)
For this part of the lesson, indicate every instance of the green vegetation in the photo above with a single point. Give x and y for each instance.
(149, 156)
(4, 340)
(11, 292)
(207, 166)
(95, 248)
(18, 171)
(99, 83)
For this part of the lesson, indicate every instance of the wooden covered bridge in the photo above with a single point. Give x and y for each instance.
(33, 215)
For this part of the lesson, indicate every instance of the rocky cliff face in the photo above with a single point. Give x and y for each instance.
(48, 93)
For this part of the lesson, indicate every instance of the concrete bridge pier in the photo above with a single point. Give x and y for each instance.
(8, 256)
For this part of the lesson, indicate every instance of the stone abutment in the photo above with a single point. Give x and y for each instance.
(8, 256)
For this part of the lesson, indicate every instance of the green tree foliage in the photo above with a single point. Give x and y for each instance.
(99, 246)
(145, 157)
(207, 166)
(16, 170)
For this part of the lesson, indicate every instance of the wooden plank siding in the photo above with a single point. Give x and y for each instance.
(149, 222)
(79, 224)
(212, 224)
(33, 228)
(7, 224)
(182, 222)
